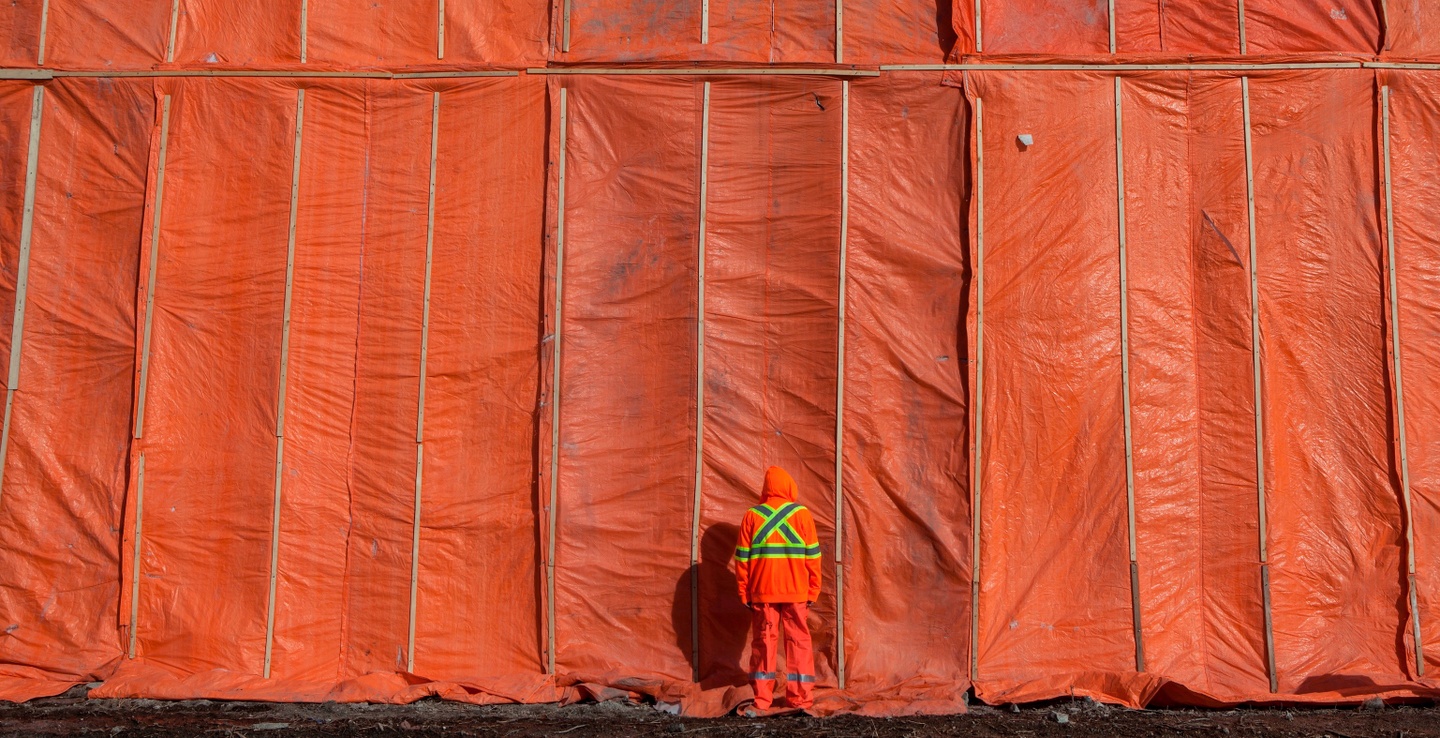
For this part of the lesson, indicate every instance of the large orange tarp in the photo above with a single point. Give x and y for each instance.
(1414, 129)
(1053, 368)
(282, 427)
(65, 457)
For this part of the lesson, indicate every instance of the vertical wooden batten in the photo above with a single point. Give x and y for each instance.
(284, 377)
(1256, 372)
(424, 375)
(1394, 301)
(551, 512)
(44, 32)
(979, 408)
(840, 385)
(1125, 378)
(144, 371)
(699, 385)
(174, 30)
(440, 32)
(304, 31)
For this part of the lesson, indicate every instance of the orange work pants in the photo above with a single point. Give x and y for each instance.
(769, 618)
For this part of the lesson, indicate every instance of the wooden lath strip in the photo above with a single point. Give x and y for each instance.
(440, 33)
(284, 375)
(1125, 380)
(144, 380)
(840, 386)
(1394, 300)
(555, 393)
(44, 32)
(979, 402)
(699, 385)
(1256, 372)
(424, 374)
(174, 30)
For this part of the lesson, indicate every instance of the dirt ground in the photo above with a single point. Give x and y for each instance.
(73, 714)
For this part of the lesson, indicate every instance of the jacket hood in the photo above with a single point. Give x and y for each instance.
(779, 485)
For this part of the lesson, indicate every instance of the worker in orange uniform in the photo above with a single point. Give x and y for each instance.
(777, 564)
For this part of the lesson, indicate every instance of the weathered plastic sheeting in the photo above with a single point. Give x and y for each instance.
(307, 498)
(1052, 325)
(1411, 28)
(114, 35)
(629, 360)
(772, 292)
(1052, 509)
(477, 559)
(1197, 521)
(627, 379)
(66, 451)
(212, 413)
(630, 295)
(790, 32)
(106, 34)
(343, 33)
(20, 31)
(1082, 27)
(1414, 131)
(907, 506)
(1335, 521)
(501, 33)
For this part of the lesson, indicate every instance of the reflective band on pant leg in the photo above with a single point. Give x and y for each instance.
(766, 626)
(799, 656)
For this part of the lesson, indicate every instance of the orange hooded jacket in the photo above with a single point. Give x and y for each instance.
(778, 556)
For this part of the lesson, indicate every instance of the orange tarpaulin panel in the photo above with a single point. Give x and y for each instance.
(107, 34)
(906, 515)
(897, 31)
(1324, 443)
(772, 286)
(400, 33)
(1196, 504)
(1082, 27)
(480, 403)
(1052, 459)
(65, 455)
(1334, 514)
(20, 33)
(1410, 29)
(1184, 27)
(224, 354)
(481, 369)
(350, 388)
(1414, 128)
(874, 31)
(627, 380)
(228, 34)
(1282, 27)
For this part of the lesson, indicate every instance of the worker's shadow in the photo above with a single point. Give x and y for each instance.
(724, 619)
